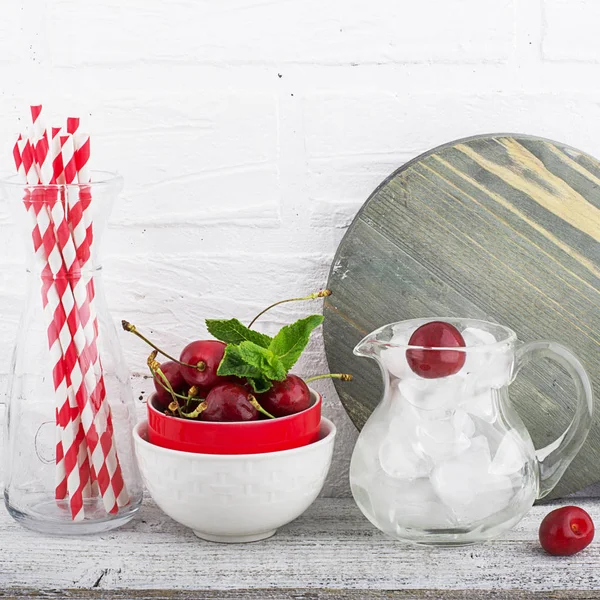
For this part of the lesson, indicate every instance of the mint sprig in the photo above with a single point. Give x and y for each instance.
(232, 331)
(233, 364)
(257, 357)
(264, 359)
(291, 340)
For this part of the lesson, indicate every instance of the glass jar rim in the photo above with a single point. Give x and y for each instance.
(508, 338)
(99, 179)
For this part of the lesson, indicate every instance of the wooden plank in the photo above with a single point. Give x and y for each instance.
(298, 594)
(504, 228)
(330, 548)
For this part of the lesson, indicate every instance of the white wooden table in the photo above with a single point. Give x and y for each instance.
(330, 552)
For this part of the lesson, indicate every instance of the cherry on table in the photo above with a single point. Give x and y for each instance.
(171, 371)
(228, 402)
(566, 531)
(429, 363)
(205, 355)
(286, 397)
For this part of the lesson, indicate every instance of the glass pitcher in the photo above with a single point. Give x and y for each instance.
(446, 460)
(39, 481)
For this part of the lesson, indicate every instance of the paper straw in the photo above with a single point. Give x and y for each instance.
(73, 451)
(59, 341)
(75, 456)
(56, 156)
(62, 243)
(41, 146)
(96, 421)
(69, 177)
(59, 170)
(72, 124)
(81, 226)
(95, 412)
(94, 382)
(61, 474)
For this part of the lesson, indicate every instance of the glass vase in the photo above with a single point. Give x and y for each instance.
(68, 457)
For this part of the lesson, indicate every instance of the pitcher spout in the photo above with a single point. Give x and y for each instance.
(369, 347)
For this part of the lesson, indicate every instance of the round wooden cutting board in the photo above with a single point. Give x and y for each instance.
(499, 227)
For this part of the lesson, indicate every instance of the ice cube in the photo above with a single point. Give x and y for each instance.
(419, 507)
(412, 503)
(365, 459)
(399, 453)
(486, 369)
(442, 438)
(483, 405)
(500, 368)
(405, 418)
(465, 484)
(463, 423)
(432, 394)
(510, 456)
(474, 336)
(399, 459)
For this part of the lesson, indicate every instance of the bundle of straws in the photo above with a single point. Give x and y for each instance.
(54, 168)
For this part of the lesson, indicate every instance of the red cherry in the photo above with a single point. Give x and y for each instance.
(286, 397)
(431, 364)
(566, 530)
(171, 371)
(207, 352)
(229, 402)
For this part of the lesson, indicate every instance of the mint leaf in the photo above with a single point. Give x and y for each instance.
(260, 384)
(257, 357)
(232, 331)
(233, 364)
(263, 359)
(291, 340)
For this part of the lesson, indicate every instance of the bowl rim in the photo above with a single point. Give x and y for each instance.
(262, 423)
(328, 439)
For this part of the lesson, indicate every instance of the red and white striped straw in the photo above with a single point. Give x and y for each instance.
(93, 406)
(62, 242)
(60, 172)
(82, 227)
(72, 477)
(73, 449)
(72, 124)
(55, 350)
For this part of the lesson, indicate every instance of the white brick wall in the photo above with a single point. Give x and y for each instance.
(249, 133)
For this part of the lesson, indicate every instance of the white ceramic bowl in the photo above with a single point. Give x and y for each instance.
(235, 498)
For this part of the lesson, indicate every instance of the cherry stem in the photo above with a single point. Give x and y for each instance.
(160, 377)
(165, 384)
(258, 407)
(127, 326)
(341, 376)
(195, 413)
(320, 294)
(193, 396)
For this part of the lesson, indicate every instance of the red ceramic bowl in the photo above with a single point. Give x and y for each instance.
(249, 437)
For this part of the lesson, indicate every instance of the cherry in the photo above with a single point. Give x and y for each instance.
(566, 531)
(229, 402)
(171, 371)
(431, 364)
(205, 356)
(286, 397)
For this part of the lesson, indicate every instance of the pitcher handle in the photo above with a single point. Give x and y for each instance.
(554, 458)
